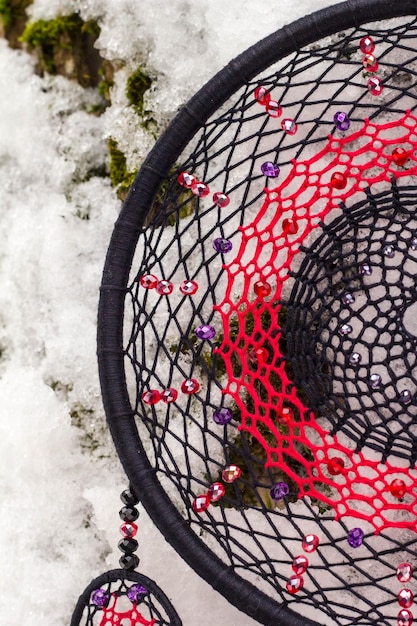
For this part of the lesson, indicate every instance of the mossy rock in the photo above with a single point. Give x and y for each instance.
(13, 19)
(65, 45)
(120, 177)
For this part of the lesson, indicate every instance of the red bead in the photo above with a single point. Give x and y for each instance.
(405, 598)
(201, 503)
(262, 288)
(335, 466)
(262, 95)
(148, 281)
(338, 180)
(231, 473)
(260, 355)
(151, 397)
(398, 488)
(405, 618)
(289, 226)
(164, 287)
(375, 86)
(273, 108)
(289, 126)
(300, 564)
(129, 529)
(310, 543)
(370, 63)
(285, 415)
(400, 156)
(294, 584)
(189, 386)
(188, 287)
(367, 45)
(186, 180)
(169, 395)
(404, 572)
(221, 199)
(216, 492)
(200, 189)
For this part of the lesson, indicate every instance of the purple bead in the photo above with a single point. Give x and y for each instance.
(270, 169)
(222, 416)
(222, 245)
(100, 597)
(279, 491)
(136, 593)
(341, 120)
(205, 331)
(355, 537)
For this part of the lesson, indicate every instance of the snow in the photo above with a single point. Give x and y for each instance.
(60, 483)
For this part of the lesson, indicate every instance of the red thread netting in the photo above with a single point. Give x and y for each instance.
(266, 254)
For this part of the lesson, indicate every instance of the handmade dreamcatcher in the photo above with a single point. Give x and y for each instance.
(257, 334)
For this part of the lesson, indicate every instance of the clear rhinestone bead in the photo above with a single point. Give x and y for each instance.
(405, 396)
(365, 269)
(345, 329)
(413, 244)
(375, 381)
(389, 251)
(348, 298)
(355, 358)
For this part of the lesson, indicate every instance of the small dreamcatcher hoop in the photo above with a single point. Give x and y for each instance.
(257, 323)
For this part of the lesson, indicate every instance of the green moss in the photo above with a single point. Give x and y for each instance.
(65, 45)
(120, 177)
(11, 11)
(137, 85)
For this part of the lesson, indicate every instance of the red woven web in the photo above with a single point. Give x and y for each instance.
(114, 617)
(266, 254)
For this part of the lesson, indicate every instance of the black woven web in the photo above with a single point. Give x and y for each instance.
(253, 535)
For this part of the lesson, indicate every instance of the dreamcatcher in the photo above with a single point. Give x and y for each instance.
(258, 324)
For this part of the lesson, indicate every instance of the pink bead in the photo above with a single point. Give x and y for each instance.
(186, 180)
(164, 287)
(367, 45)
(262, 288)
(231, 473)
(216, 492)
(201, 503)
(405, 618)
(200, 189)
(370, 63)
(289, 126)
(169, 395)
(129, 529)
(273, 108)
(294, 584)
(289, 226)
(189, 386)
(221, 199)
(300, 564)
(310, 543)
(404, 572)
(188, 287)
(148, 281)
(405, 598)
(375, 86)
(335, 466)
(262, 95)
(151, 397)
